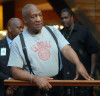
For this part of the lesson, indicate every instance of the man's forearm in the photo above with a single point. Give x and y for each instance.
(20, 74)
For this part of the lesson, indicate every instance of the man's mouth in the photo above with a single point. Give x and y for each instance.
(39, 24)
(65, 24)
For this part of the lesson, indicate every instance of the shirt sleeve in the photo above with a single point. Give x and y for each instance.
(15, 58)
(91, 43)
(62, 42)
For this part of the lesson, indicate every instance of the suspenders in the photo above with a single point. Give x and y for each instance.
(54, 37)
(25, 53)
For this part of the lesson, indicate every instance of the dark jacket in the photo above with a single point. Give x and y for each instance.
(5, 72)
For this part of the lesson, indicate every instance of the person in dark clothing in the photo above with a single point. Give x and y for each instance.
(14, 27)
(83, 43)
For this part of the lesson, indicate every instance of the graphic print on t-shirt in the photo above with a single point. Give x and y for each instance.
(43, 50)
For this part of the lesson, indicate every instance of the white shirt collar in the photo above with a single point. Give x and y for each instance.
(9, 41)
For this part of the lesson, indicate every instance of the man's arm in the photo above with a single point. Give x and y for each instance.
(41, 82)
(93, 63)
(70, 54)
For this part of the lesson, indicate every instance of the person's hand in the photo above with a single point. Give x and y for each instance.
(9, 91)
(42, 82)
(80, 69)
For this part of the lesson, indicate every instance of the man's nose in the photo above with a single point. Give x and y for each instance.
(38, 18)
(64, 20)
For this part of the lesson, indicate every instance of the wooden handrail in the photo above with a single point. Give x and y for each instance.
(56, 83)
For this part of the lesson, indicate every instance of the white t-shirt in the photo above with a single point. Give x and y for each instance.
(42, 52)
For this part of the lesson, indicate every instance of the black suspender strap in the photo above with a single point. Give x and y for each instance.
(25, 53)
(59, 56)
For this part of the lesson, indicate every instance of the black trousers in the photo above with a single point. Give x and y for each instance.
(35, 91)
(31, 91)
(19, 91)
(1, 88)
(78, 91)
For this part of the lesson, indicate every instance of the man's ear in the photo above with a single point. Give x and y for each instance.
(24, 19)
(9, 29)
(72, 18)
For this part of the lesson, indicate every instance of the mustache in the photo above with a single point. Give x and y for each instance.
(37, 23)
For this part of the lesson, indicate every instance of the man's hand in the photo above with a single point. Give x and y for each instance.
(42, 82)
(80, 69)
(9, 91)
(71, 55)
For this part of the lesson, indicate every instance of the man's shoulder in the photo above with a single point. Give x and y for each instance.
(3, 41)
(80, 26)
(61, 30)
(51, 27)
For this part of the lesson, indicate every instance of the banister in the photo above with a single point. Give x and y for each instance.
(56, 83)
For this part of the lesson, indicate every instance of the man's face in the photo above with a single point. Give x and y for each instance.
(17, 28)
(67, 19)
(34, 19)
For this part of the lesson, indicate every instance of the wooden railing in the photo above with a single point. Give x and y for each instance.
(56, 83)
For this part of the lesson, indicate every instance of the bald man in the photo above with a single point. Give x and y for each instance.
(14, 27)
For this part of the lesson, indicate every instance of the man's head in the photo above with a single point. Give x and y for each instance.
(14, 26)
(33, 18)
(67, 18)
